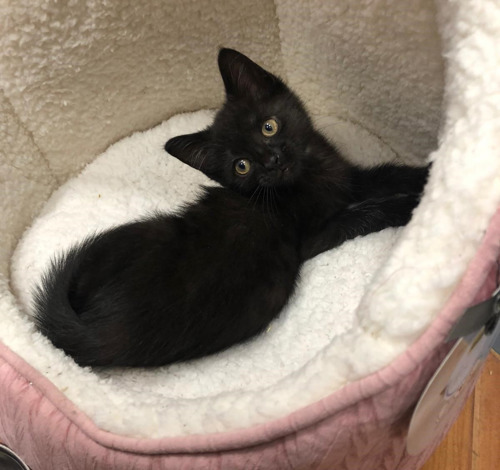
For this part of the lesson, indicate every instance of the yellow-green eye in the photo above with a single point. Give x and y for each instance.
(242, 167)
(270, 127)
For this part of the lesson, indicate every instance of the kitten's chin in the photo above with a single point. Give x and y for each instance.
(278, 177)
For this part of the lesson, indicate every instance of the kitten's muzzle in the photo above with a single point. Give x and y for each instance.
(275, 161)
(277, 174)
(272, 161)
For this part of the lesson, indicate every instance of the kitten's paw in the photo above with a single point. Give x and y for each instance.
(399, 209)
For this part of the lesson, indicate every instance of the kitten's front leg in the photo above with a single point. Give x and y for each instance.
(387, 180)
(359, 219)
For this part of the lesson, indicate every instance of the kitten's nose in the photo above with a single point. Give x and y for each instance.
(273, 161)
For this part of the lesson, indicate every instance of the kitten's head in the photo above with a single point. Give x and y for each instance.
(259, 137)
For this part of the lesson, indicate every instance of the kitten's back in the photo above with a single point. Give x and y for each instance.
(171, 287)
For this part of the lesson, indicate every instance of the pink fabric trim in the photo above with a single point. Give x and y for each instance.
(365, 436)
(362, 410)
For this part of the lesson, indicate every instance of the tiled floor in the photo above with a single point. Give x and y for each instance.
(473, 443)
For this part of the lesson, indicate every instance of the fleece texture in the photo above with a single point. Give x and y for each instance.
(82, 74)
(132, 179)
(372, 61)
(399, 81)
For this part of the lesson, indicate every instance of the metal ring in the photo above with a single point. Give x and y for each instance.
(496, 305)
(10, 461)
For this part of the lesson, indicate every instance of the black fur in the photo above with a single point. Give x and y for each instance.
(180, 286)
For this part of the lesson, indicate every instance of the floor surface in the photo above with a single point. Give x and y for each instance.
(473, 442)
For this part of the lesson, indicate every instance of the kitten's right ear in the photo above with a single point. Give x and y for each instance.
(191, 149)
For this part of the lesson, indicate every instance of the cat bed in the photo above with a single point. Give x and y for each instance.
(331, 383)
(131, 180)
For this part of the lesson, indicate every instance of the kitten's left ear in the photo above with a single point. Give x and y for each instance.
(244, 78)
(192, 149)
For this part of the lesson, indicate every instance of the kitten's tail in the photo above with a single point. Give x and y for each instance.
(54, 315)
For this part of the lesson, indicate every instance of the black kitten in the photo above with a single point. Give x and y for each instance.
(179, 286)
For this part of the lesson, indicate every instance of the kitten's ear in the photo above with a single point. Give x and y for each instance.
(244, 78)
(192, 149)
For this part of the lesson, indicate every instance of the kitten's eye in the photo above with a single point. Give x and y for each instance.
(242, 167)
(270, 127)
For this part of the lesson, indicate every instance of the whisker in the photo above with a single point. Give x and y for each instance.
(253, 194)
(275, 204)
(267, 202)
(265, 207)
(270, 203)
(257, 193)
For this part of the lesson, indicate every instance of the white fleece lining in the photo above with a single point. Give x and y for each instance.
(419, 267)
(132, 179)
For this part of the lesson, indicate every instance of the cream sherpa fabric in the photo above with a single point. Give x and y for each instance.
(376, 66)
(77, 79)
(82, 74)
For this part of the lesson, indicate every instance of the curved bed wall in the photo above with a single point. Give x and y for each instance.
(77, 76)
